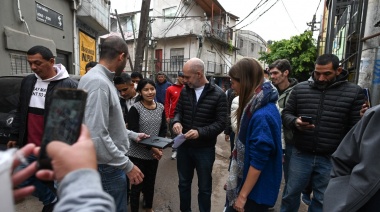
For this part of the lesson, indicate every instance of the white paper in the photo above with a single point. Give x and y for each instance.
(6, 200)
(178, 140)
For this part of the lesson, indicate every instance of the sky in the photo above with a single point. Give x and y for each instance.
(277, 23)
(284, 19)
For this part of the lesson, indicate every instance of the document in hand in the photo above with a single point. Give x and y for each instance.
(156, 141)
(178, 140)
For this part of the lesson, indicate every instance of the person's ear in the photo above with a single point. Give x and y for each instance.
(52, 61)
(286, 73)
(339, 70)
(121, 56)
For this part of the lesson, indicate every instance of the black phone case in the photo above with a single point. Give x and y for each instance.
(63, 121)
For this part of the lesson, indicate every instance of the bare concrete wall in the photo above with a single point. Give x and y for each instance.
(16, 38)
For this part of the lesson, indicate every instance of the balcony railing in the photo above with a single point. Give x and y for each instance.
(218, 31)
(172, 67)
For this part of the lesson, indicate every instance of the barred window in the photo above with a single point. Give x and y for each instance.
(19, 64)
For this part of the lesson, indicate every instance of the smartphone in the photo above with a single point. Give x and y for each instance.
(367, 97)
(307, 119)
(63, 121)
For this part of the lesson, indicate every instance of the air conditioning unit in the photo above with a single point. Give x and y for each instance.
(186, 2)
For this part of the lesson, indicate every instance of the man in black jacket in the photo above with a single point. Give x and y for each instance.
(200, 115)
(35, 95)
(333, 104)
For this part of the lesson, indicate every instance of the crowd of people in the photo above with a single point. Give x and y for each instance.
(329, 159)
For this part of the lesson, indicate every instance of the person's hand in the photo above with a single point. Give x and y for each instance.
(240, 203)
(177, 128)
(141, 136)
(302, 126)
(11, 144)
(192, 134)
(157, 153)
(66, 158)
(227, 138)
(135, 175)
(168, 120)
(22, 175)
(365, 107)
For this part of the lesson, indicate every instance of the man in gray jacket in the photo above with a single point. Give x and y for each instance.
(355, 175)
(105, 121)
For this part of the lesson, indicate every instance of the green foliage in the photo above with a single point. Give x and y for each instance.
(300, 50)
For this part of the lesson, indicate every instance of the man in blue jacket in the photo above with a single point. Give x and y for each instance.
(161, 86)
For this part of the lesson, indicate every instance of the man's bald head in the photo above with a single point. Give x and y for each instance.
(193, 73)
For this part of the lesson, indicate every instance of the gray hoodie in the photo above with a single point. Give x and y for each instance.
(104, 118)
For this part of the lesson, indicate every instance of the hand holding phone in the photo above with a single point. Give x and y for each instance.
(307, 119)
(63, 121)
(367, 97)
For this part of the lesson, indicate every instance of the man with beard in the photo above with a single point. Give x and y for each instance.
(105, 122)
(333, 104)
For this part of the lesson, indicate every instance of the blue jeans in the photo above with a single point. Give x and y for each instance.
(285, 166)
(303, 167)
(202, 160)
(45, 191)
(114, 182)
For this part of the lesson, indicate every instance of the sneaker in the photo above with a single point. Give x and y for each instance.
(174, 155)
(306, 199)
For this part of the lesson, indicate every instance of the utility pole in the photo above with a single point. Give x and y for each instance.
(312, 24)
(122, 35)
(141, 40)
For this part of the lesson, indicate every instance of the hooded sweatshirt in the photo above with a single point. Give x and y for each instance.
(37, 105)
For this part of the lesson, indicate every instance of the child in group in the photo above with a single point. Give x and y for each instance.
(146, 116)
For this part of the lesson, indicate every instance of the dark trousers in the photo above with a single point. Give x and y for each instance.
(202, 160)
(44, 190)
(149, 169)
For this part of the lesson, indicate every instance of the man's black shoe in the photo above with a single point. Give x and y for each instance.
(49, 207)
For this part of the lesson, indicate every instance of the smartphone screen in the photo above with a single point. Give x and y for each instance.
(367, 96)
(63, 121)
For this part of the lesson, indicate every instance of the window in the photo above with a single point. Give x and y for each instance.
(19, 64)
(241, 43)
(176, 59)
(252, 47)
(169, 12)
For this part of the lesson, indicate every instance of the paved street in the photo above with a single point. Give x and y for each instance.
(166, 190)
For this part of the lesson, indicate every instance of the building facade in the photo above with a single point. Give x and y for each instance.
(250, 44)
(180, 30)
(69, 28)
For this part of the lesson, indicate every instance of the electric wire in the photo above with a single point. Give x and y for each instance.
(289, 16)
(254, 9)
(258, 16)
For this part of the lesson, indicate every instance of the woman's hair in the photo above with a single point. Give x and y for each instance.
(142, 84)
(249, 73)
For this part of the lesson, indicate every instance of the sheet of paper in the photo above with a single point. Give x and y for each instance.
(178, 140)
